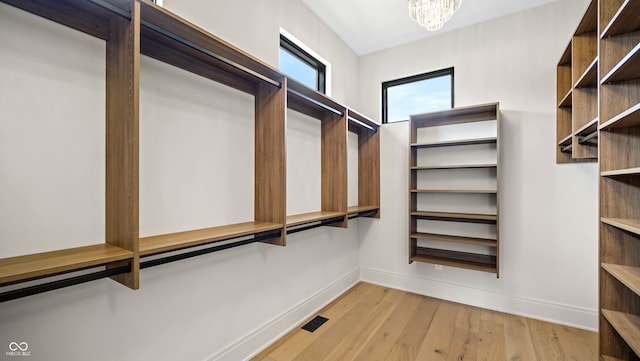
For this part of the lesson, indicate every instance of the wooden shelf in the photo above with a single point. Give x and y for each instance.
(588, 128)
(627, 326)
(629, 276)
(566, 101)
(361, 209)
(627, 119)
(627, 69)
(474, 191)
(589, 78)
(455, 166)
(609, 358)
(310, 102)
(566, 140)
(455, 239)
(39, 265)
(589, 22)
(359, 122)
(621, 172)
(629, 225)
(472, 261)
(460, 217)
(180, 240)
(450, 143)
(624, 21)
(300, 219)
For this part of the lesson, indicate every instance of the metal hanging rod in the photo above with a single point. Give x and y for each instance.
(363, 214)
(199, 48)
(54, 285)
(589, 137)
(112, 8)
(365, 125)
(326, 222)
(313, 101)
(199, 252)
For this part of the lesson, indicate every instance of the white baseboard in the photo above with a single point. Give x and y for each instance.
(261, 337)
(568, 315)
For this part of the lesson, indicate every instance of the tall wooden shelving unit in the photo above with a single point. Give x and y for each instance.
(577, 93)
(619, 125)
(138, 27)
(476, 252)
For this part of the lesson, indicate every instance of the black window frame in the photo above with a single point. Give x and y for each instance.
(321, 68)
(411, 79)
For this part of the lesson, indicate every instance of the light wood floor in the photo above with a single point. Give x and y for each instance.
(371, 323)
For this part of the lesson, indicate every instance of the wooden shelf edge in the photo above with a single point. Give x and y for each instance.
(627, 326)
(590, 127)
(45, 264)
(455, 216)
(360, 209)
(566, 101)
(621, 172)
(627, 275)
(181, 240)
(626, 119)
(361, 121)
(609, 358)
(451, 143)
(471, 191)
(629, 225)
(304, 218)
(589, 78)
(456, 239)
(456, 166)
(473, 261)
(565, 141)
(457, 112)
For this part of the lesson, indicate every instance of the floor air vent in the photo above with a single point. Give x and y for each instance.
(315, 323)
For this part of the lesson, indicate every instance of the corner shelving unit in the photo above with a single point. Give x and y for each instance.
(619, 127)
(577, 93)
(132, 28)
(438, 151)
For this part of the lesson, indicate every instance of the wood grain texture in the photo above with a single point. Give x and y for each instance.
(625, 19)
(369, 169)
(334, 164)
(300, 219)
(122, 138)
(24, 268)
(374, 323)
(270, 187)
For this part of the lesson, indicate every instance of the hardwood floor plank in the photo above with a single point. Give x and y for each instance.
(519, 344)
(436, 343)
(408, 344)
(491, 341)
(374, 323)
(388, 333)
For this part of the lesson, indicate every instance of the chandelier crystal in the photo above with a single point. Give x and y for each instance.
(432, 14)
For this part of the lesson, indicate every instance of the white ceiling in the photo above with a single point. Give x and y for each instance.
(371, 25)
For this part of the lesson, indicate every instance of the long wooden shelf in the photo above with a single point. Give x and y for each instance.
(629, 225)
(358, 122)
(300, 219)
(460, 217)
(473, 191)
(478, 262)
(588, 128)
(180, 240)
(589, 78)
(455, 166)
(624, 21)
(310, 102)
(24, 268)
(627, 69)
(621, 172)
(450, 143)
(629, 276)
(626, 119)
(566, 140)
(456, 239)
(627, 326)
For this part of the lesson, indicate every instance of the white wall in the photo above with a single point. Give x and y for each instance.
(548, 212)
(196, 170)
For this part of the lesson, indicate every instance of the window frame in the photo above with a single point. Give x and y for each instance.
(411, 79)
(321, 68)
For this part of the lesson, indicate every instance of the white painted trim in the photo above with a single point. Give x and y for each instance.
(578, 317)
(263, 336)
(311, 52)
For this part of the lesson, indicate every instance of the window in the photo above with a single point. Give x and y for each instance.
(302, 66)
(417, 94)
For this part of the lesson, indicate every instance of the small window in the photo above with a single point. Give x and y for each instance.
(301, 65)
(417, 94)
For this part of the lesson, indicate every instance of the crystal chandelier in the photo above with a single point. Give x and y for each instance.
(432, 14)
